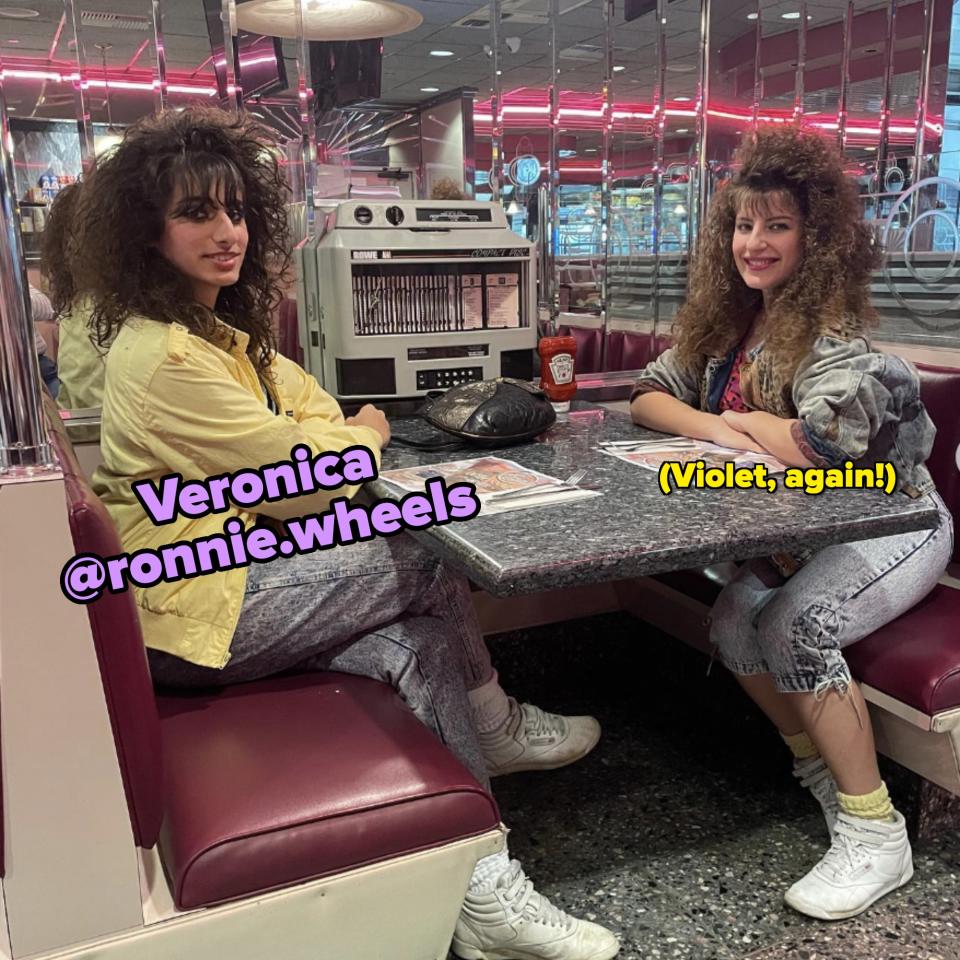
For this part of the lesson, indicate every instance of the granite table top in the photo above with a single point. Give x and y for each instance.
(633, 529)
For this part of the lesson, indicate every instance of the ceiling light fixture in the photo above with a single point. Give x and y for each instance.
(429, 89)
(618, 69)
(441, 53)
(682, 99)
(683, 130)
(328, 20)
(753, 16)
(19, 13)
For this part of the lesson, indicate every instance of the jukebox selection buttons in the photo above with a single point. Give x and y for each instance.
(450, 377)
(363, 215)
(395, 216)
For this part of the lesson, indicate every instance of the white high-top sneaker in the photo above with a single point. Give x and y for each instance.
(815, 775)
(533, 739)
(514, 922)
(867, 860)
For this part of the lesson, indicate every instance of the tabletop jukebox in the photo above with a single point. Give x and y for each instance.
(396, 298)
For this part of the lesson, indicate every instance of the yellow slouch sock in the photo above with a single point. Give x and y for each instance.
(802, 747)
(869, 806)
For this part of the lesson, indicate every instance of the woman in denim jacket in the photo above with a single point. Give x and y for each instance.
(770, 355)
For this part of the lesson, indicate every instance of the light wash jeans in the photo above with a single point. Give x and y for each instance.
(387, 609)
(796, 629)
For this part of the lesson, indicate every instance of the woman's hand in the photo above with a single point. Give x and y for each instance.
(772, 433)
(747, 422)
(370, 416)
(726, 435)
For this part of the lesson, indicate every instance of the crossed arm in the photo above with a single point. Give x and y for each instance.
(757, 431)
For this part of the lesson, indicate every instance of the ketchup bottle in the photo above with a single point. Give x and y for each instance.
(557, 377)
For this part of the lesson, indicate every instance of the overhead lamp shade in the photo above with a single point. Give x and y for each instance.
(328, 19)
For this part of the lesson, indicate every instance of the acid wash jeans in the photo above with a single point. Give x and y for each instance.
(796, 629)
(386, 609)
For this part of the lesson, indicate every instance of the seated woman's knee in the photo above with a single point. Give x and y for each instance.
(732, 632)
(726, 618)
(802, 646)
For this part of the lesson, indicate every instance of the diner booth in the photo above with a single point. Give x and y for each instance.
(551, 163)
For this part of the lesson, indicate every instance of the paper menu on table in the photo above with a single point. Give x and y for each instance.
(713, 455)
(488, 474)
(491, 476)
(503, 300)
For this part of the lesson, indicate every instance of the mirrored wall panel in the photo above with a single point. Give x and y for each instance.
(602, 127)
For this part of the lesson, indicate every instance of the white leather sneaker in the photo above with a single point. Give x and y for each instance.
(514, 922)
(533, 739)
(815, 775)
(867, 860)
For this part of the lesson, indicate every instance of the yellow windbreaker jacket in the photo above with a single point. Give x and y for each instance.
(176, 403)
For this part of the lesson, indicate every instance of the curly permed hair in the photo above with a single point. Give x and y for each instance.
(121, 219)
(829, 292)
(58, 248)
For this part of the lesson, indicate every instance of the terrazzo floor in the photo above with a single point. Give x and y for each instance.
(684, 827)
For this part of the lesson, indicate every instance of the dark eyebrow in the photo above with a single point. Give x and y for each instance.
(186, 203)
(197, 201)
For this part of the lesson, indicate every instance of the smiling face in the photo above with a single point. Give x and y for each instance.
(767, 241)
(205, 238)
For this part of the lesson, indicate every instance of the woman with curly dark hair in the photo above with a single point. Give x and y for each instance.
(57, 247)
(771, 355)
(184, 249)
(80, 360)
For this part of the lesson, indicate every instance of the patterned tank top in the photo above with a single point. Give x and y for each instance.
(732, 398)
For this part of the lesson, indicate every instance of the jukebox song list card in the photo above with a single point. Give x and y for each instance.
(503, 300)
(471, 300)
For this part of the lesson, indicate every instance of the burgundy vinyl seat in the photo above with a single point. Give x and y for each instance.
(628, 350)
(288, 331)
(266, 784)
(589, 346)
(271, 783)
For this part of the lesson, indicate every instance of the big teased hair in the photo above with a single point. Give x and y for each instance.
(122, 212)
(829, 292)
(58, 248)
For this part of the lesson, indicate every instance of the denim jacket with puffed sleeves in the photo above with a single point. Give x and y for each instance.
(850, 403)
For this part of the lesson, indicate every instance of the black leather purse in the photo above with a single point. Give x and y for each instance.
(489, 413)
